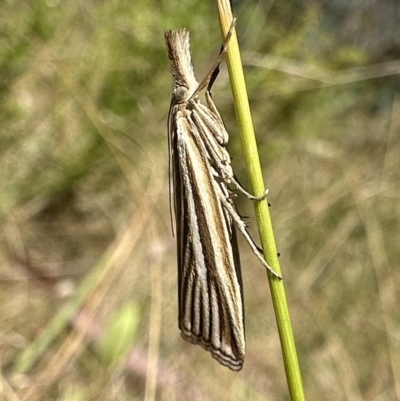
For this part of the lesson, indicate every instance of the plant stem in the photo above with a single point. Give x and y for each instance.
(253, 166)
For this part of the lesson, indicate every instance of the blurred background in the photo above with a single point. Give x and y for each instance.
(87, 256)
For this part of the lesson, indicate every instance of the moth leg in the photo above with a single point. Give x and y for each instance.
(248, 194)
(212, 107)
(230, 179)
(224, 49)
(212, 75)
(242, 228)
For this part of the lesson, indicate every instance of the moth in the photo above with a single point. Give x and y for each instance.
(210, 294)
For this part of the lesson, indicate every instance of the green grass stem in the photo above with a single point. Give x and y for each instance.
(253, 166)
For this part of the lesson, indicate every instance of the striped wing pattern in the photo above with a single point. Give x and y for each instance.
(209, 278)
(209, 282)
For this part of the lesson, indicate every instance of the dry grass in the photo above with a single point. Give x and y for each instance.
(84, 205)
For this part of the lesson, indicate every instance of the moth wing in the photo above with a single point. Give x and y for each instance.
(209, 278)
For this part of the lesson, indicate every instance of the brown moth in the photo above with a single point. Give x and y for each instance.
(210, 296)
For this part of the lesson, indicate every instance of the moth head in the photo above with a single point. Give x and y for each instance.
(181, 93)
